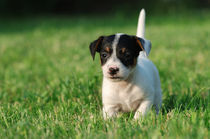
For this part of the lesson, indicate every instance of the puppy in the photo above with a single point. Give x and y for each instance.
(130, 80)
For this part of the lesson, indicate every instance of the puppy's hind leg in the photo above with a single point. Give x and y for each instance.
(158, 101)
(157, 108)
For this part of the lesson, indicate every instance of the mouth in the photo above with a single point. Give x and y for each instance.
(115, 78)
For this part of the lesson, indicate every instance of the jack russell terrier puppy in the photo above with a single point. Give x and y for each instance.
(130, 80)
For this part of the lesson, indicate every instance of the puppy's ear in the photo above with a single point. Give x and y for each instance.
(140, 43)
(145, 45)
(95, 46)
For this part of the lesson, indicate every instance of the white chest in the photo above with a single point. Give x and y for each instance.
(125, 97)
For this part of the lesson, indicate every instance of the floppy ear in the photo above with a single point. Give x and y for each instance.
(144, 44)
(95, 46)
(140, 43)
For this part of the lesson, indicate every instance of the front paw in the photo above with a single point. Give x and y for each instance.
(107, 114)
(137, 116)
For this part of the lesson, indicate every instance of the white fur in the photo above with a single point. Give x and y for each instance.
(137, 91)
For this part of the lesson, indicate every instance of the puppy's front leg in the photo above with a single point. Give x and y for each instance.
(110, 111)
(143, 109)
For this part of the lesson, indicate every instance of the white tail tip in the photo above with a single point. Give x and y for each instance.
(141, 24)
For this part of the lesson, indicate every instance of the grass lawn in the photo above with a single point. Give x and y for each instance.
(51, 88)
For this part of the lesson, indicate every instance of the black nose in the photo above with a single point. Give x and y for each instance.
(113, 71)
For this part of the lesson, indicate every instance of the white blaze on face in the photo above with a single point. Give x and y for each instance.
(113, 61)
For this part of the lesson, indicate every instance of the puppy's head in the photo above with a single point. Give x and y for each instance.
(118, 54)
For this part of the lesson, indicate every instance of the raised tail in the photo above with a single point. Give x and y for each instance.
(141, 24)
(141, 33)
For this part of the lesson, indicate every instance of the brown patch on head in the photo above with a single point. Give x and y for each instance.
(107, 49)
(123, 50)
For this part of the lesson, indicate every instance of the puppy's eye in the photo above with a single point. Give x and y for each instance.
(104, 55)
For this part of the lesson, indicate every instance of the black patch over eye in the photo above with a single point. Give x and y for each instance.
(127, 50)
(127, 55)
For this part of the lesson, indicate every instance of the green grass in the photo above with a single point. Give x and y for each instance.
(51, 88)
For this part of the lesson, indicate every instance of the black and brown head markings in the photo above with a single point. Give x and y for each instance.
(103, 45)
(127, 48)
